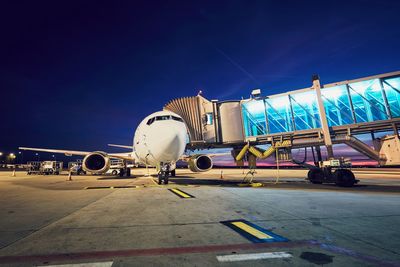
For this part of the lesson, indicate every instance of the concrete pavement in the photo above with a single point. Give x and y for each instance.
(46, 220)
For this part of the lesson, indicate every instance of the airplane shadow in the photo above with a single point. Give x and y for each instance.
(187, 180)
(301, 184)
(116, 178)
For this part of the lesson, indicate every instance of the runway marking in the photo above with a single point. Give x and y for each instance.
(253, 232)
(87, 264)
(180, 193)
(253, 256)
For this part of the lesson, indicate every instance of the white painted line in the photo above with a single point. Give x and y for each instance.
(87, 264)
(253, 256)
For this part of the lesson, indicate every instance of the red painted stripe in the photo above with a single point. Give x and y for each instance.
(111, 254)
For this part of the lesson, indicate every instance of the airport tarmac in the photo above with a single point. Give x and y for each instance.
(202, 219)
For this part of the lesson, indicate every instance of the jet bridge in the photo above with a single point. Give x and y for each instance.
(320, 115)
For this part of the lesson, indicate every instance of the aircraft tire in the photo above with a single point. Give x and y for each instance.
(160, 178)
(315, 176)
(344, 178)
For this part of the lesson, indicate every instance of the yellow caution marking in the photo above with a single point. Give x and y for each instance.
(180, 193)
(251, 230)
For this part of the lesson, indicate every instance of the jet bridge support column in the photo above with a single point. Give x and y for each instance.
(322, 115)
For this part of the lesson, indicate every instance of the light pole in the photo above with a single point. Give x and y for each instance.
(21, 156)
(12, 157)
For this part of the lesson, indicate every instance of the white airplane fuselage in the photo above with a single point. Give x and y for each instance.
(160, 138)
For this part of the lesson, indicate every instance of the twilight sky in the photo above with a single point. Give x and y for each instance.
(81, 74)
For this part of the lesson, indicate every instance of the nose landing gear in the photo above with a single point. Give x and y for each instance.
(164, 173)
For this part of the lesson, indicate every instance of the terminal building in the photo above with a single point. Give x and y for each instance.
(320, 115)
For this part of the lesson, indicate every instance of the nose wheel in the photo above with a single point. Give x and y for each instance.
(163, 177)
(164, 173)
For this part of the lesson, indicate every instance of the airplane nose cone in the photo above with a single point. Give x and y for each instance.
(170, 144)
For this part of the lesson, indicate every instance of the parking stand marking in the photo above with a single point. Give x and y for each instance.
(253, 256)
(180, 193)
(253, 232)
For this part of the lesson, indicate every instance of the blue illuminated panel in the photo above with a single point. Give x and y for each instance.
(254, 121)
(392, 91)
(357, 102)
(337, 105)
(279, 114)
(305, 110)
(368, 102)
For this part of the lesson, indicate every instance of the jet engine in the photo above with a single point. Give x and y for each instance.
(96, 162)
(200, 163)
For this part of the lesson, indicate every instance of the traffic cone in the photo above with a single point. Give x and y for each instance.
(69, 176)
(13, 173)
(221, 177)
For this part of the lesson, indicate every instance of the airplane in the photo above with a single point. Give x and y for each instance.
(160, 140)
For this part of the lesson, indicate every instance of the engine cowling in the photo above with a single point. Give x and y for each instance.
(200, 163)
(96, 162)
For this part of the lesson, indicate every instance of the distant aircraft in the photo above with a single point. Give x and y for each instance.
(160, 140)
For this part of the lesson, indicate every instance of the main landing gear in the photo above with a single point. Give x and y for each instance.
(125, 171)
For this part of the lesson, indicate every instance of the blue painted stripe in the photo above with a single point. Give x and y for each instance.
(252, 238)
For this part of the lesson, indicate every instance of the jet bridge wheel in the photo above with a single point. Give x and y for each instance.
(316, 176)
(344, 177)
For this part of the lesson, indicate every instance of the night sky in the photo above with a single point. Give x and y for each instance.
(81, 74)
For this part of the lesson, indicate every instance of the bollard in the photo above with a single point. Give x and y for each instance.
(221, 175)
(13, 173)
(69, 176)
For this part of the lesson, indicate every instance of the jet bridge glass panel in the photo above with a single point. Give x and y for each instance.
(279, 114)
(368, 101)
(254, 120)
(305, 110)
(337, 105)
(392, 91)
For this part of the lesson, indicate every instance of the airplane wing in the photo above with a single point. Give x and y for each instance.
(125, 156)
(66, 152)
(122, 146)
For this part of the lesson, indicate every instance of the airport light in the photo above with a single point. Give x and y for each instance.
(1, 154)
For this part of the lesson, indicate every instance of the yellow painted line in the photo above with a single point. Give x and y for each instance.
(251, 230)
(154, 182)
(179, 192)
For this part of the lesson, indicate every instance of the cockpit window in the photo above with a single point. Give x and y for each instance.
(150, 121)
(177, 119)
(163, 118)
